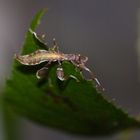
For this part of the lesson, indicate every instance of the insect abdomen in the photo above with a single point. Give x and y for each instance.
(33, 58)
(38, 57)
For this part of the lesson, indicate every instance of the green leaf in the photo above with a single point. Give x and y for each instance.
(75, 107)
(30, 44)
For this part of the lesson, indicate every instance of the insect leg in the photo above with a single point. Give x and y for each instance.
(38, 40)
(55, 47)
(41, 73)
(93, 76)
(77, 65)
(61, 75)
(60, 72)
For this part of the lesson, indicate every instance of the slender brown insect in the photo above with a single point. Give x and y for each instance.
(52, 55)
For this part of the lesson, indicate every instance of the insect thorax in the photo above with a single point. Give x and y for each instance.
(70, 57)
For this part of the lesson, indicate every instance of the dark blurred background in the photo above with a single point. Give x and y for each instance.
(107, 31)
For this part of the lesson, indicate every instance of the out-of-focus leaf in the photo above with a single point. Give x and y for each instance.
(72, 106)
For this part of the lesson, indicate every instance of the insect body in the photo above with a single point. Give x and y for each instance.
(52, 55)
(40, 56)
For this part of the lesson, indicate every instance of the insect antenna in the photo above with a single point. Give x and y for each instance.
(93, 77)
